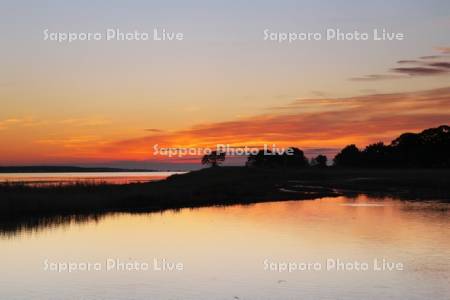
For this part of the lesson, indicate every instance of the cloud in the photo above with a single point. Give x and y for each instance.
(72, 141)
(6, 123)
(407, 61)
(26, 122)
(444, 50)
(153, 130)
(88, 121)
(318, 126)
(431, 56)
(419, 71)
(318, 93)
(424, 66)
(361, 120)
(445, 65)
(374, 77)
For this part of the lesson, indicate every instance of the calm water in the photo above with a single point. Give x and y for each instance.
(223, 251)
(88, 177)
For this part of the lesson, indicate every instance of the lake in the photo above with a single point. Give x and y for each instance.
(45, 179)
(236, 252)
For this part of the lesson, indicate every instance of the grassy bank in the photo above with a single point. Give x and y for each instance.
(223, 186)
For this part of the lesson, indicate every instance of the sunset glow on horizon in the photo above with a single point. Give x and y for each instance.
(109, 103)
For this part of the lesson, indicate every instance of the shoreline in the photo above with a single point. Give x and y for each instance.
(222, 186)
(31, 208)
(67, 169)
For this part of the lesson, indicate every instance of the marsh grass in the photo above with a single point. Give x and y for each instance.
(220, 186)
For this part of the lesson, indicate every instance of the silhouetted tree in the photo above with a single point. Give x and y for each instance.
(350, 156)
(319, 161)
(292, 158)
(377, 155)
(427, 149)
(406, 150)
(258, 160)
(213, 159)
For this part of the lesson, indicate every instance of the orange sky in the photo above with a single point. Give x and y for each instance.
(317, 126)
(108, 103)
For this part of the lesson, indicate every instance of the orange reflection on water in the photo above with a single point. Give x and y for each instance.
(47, 179)
(223, 250)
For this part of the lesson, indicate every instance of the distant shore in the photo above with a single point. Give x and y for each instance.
(224, 186)
(65, 169)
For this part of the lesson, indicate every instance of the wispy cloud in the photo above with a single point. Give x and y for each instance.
(444, 65)
(87, 121)
(420, 71)
(408, 61)
(444, 50)
(374, 77)
(315, 125)
(429, 65)
(26, 122)
(153, 130)
(361, 120)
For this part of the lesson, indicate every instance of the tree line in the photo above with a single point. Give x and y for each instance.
(427, 149)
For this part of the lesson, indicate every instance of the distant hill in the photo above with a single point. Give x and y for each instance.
(63, 169)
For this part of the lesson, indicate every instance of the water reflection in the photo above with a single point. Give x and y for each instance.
(9, 227)
(223, 250)
(51, 179)
(339, 208)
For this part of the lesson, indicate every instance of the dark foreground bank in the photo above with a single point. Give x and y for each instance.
(223, 186)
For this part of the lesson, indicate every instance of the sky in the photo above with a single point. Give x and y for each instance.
(109, 102)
